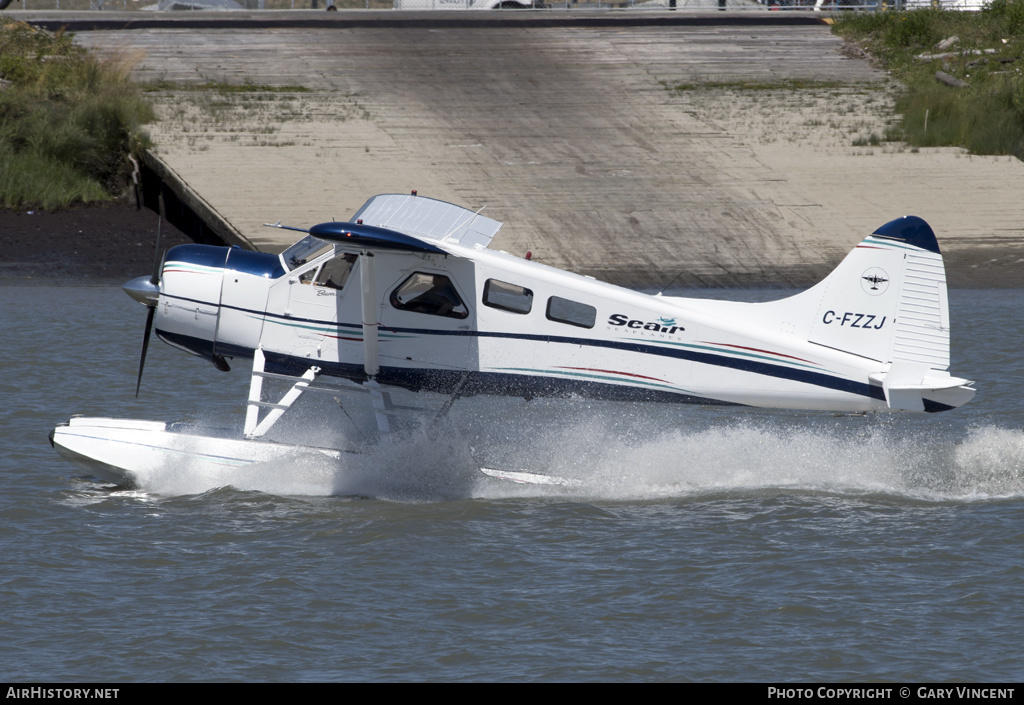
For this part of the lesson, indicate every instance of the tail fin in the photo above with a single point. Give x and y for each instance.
(887, 302)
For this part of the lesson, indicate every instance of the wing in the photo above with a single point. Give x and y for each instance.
(428, 219)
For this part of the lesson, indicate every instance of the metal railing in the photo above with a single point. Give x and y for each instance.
(496, 5)
(500, 5)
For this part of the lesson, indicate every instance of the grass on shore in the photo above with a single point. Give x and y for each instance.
(68, 120)
(987, 114)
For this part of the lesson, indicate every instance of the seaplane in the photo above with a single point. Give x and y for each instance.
(407, 296)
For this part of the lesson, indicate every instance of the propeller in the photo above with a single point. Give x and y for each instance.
(146, 290)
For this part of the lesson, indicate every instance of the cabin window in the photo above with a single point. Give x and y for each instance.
(572, 312)
(433, 294)
(335, 272)
(507, 297)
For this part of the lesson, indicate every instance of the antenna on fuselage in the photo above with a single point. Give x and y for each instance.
(666, 288)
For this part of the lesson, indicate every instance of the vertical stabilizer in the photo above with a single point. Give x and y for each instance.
(887, 300)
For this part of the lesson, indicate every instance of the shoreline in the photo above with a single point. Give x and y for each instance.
(620, 178)
(108, 241)
(114, 242)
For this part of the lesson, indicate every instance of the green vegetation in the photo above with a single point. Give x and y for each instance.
(788, 84)
(987, 115)
(68, 120)
(248, 86)
(142, 7)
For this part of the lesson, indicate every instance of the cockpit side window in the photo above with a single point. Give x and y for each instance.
(335, 272)
(432, 294)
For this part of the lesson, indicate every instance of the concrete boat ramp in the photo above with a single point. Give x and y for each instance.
(638, 147)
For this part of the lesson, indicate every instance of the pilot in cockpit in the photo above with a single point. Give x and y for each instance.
(333, 274)
(336, 272)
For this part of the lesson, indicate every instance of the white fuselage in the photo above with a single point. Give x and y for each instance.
(569, 335)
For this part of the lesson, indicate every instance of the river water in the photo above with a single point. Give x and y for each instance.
(700, 544)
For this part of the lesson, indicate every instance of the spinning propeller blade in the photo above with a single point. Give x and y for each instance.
(145, 347)
(153, 297)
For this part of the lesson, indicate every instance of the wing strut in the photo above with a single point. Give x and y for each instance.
(371, 352)
(371, 348)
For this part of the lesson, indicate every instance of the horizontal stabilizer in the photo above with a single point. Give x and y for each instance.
(905, 384)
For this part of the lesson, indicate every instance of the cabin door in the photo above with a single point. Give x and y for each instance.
(314, 310)
(427, 321)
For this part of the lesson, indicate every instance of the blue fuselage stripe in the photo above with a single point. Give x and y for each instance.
(741, 364)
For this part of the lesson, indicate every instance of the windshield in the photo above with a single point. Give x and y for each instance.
(306, 249)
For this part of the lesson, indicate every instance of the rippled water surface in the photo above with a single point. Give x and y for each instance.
(699, 544)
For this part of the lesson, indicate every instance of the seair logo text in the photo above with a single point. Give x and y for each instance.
(853, 320)
(662, 325)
